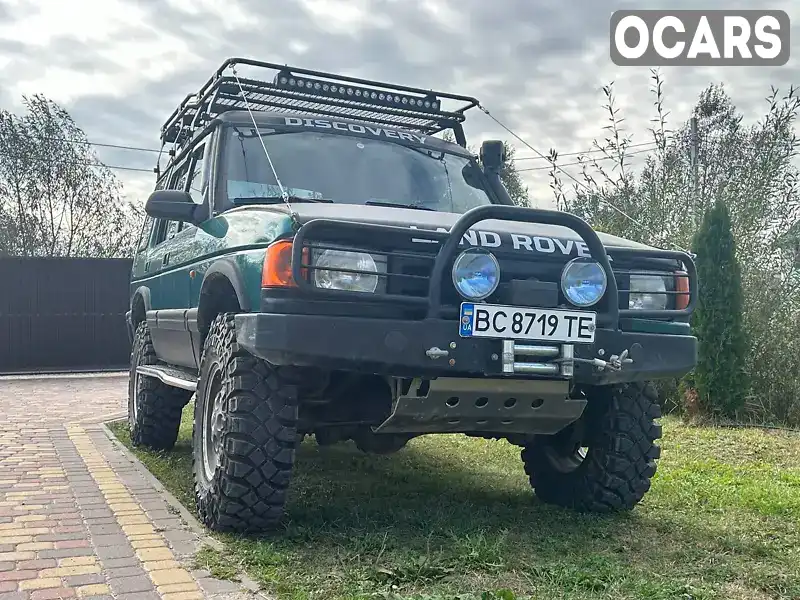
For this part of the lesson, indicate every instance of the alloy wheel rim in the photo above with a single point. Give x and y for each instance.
(213, 425)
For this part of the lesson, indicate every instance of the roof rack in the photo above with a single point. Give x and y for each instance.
(315, 93)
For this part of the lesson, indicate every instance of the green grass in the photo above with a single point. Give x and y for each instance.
(453, 517)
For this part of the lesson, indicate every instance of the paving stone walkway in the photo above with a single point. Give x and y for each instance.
(78, 517)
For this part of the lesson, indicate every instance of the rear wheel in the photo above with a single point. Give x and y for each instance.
(154, 408)
(604, 462)
(244, 437)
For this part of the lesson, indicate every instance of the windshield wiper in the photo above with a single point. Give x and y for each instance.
(277, 199)
(398, 205)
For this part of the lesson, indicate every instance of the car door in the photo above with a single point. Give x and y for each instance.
(188, 248)
(169, 286)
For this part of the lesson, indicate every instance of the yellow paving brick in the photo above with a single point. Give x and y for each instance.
(155, 543)
(22, 530)
(40, 584)
(161, 565)
(198, 595)
(77, 561)
(20, 539)
(69, 571)
(133, 519)
(172, 588)
(118, 506)
(170, 576)
(29, 507)
(147, 554)
(98, 589)
(15, 556)
(145, 536)
(134, 529)
(26, 518)
(35, 546)
(119, 498)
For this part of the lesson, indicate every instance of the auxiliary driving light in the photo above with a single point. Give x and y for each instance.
(476, 274)
(583, 282)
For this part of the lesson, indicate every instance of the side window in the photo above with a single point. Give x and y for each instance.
(173, 227)
(166, 230)
(183, 174)
(159, 233)
(147, 227)
(197, 180)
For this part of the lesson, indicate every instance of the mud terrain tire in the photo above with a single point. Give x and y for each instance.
(154, 408)
(614, 475)
(244, 436)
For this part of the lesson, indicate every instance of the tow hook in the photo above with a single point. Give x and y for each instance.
(614, 362)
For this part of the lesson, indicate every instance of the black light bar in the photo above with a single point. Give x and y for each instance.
(288, 81)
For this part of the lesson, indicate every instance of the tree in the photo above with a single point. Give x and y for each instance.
(511, 178)
(56, 198)
(752, 170)
(720, 377)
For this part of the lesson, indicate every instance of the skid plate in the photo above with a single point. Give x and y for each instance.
(453, 405)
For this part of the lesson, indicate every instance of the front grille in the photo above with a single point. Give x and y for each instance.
(412, 256)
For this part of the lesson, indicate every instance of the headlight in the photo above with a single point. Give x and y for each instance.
(476, 274)
(583, 282)
(343, 280)
(648, 292)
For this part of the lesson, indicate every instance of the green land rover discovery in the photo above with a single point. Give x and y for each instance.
(316, 261)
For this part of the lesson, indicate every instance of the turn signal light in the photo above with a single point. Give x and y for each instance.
(682, 289)
(277, 270)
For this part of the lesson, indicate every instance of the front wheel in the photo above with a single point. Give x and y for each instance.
(244, 436)
(605, 461)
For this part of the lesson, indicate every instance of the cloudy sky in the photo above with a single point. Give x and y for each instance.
(121, 66)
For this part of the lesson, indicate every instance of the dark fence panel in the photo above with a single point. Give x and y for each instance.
(63, 314)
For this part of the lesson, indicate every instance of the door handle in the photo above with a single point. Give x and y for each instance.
(146, 266)
(165, 262)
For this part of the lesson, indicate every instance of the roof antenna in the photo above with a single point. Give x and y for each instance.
(284, 193)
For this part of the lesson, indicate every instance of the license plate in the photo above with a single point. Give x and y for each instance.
(514, 322)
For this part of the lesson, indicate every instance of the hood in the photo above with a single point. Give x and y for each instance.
(507, 235)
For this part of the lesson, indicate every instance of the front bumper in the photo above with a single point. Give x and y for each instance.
(398, 348)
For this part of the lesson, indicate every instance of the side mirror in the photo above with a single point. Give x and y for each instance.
(493, 155)
(172, 205)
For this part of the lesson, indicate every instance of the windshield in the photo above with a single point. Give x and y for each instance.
(349, 170)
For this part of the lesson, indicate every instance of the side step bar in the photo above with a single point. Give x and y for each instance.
(170, 375)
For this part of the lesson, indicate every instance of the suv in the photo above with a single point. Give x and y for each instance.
(310, 265)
